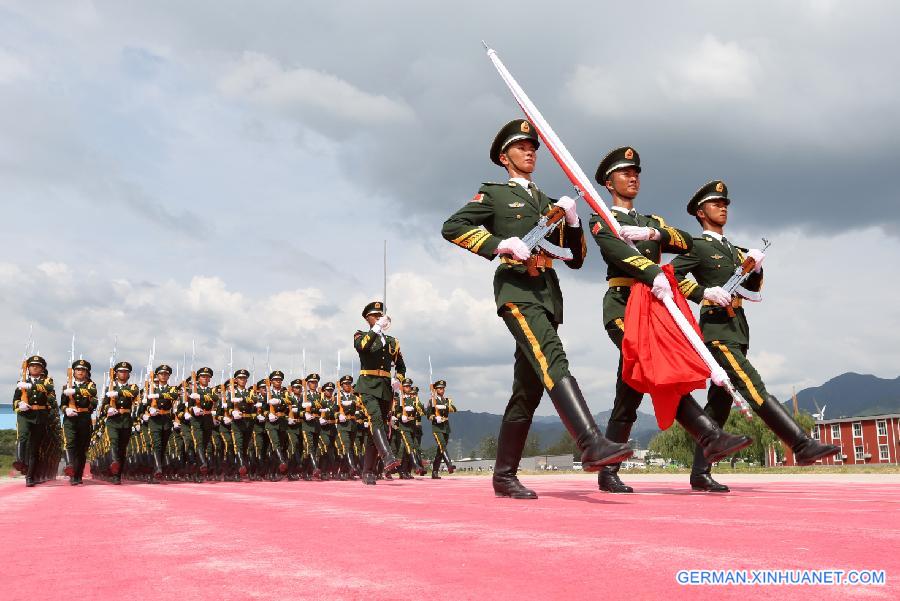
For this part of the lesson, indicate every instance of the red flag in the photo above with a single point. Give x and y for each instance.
(656, 357)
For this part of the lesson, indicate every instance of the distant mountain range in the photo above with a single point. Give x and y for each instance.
(852, 394)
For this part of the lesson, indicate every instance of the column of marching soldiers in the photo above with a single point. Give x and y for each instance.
(193, 431)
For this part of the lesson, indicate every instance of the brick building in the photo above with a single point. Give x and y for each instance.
(869, 440)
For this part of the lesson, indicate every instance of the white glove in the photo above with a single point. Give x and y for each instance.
(405, 419)
(365, 424)
(71, 412)
(291, 421)
(346, 403)
(153, 396)
(273, 418)
(637, 233)
(717, 295)
(395, 385)
(227, 420)
(441, 406)
(145, 417)
(112, 394)
(274, 401)
(382, 324)
(322, 421)
(260, 418)
(758, 256)
(568, 205)
(236, 414)
(307, 416)
(69, 392)
(719, 377)
(154, 411)
(24, 385)
(23, 406)
(187, 417)
(393, 419)
(197, 411)
(515, 247)
(111, 412)
(195, 396)
(258, 405)
(307, 405)
(661, 287)
(176, 426)
(438, 419)
(342, 417)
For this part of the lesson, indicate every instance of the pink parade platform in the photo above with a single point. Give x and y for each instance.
(442, 539)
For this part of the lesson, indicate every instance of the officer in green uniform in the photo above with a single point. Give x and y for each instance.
(240, 409)
(311, 403)
(121, 397)
(77, 404)
(439, 409)
(159, 418)
(711, 262)
(260, 438)
(294, 434)
(619, 172)
(328, 432)
(277, 409)
(378, 355)
(530, 302)
(205, 400)
(346, 428)
(33, 401)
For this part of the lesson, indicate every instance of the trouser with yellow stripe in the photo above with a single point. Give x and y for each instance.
(733, 359)
(540, 360)
(627, 401)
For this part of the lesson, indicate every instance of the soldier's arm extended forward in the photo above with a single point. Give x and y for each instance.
(672, 240)
(470, 226)
(616, 252)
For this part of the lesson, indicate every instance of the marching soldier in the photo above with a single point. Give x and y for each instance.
(160, 399)
(33, 401)
(205, 400)
(121, 397)
(240, 409)
(184, 440)
(276, 424)
(328, 432)
(420, 413)
(346, 427)
(78, 402)
(530, 302)
(294, 434)
(620, 172)
(408, 412)
(310, 428)
(260, 437)
(711, 262)
(362, 431)
(439, 410)
(378, 354)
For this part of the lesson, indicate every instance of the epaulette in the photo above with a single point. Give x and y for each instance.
(496, 183)
(662, 222)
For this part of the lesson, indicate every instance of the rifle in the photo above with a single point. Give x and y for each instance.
(23, 396)
(585, 189)
(69, 376)
(537, 238)
(735, 284)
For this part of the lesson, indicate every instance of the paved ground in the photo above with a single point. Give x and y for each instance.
(447, 539)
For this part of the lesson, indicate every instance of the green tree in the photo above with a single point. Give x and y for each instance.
(564, 446)
(674, 444)
(532, 445)
(487, 448)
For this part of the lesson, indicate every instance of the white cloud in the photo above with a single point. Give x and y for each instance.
(12, 68)
(711, 71)
(258, 78)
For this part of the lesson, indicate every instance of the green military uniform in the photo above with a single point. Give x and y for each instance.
(726, 332)
(278, 407)
(439, 410)
(33, 402)
(530, 302)
(118, 405)
(240, 408)
(184, 440)
(76, 410)
(378, 355)
(328, 434)
(347, 428)
(408, 410)
(310, 428)
(159, 410)
(260, 438)
(205, 400)
(294, 429)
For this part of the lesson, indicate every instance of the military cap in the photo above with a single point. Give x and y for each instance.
(440, 384)
(415, 389)
(348, 379)
(37, 360)
(242, 373)
(328, 386)
(123, 366)
(81, 364)
(714, 190)
(276, 375)
(261, 384)
(163, 369)
(373, 307)
(205, 371)
(517, 129)
(297, 382)
(313, 378)
(620, 158)
(407, 382)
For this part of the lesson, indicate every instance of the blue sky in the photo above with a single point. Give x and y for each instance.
(227, 173)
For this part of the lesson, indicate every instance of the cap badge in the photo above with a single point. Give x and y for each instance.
(525, 127)
(720, 187)
(629, 154)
